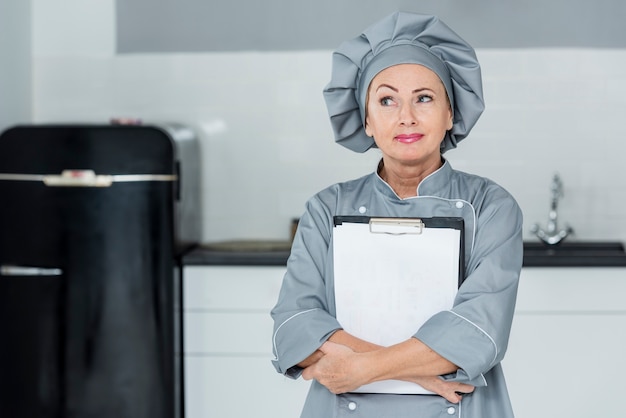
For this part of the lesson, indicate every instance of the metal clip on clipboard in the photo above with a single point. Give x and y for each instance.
(396, 226)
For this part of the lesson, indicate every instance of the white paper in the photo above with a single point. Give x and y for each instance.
(387, 286)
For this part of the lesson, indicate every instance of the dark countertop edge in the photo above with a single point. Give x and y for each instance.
(201, 257)
(556, 261)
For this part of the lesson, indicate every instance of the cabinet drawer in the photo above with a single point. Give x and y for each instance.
(572, 290)
(236, 333)
(231, 287)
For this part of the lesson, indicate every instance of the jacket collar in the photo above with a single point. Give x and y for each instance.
(432, 185)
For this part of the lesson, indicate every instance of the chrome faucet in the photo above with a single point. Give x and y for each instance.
(552, 235)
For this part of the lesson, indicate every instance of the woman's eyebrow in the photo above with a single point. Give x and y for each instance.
(417, 90)
(388, 86)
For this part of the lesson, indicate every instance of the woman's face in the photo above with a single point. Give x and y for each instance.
(408, 114)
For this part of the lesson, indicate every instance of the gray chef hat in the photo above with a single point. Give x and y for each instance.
(402, 38)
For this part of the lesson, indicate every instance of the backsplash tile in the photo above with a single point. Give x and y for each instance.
(267, 145)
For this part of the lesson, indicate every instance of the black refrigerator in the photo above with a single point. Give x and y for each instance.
(94, 220)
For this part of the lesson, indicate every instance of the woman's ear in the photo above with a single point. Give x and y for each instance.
(367, 129)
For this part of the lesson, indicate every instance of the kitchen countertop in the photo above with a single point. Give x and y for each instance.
(276, 253)
(575, 254)
(203, 256)
(240, 253)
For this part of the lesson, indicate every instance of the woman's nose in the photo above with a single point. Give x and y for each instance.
(408, 116)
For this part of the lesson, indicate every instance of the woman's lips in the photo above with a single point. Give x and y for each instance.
(409, 138)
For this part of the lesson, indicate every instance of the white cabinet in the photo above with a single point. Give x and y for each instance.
(566, 355)
(228, 349)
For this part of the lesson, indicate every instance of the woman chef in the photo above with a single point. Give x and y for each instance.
(411, 87)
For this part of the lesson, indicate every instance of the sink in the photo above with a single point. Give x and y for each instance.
(575, 254)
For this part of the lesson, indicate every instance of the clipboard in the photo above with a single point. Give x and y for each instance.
(392, 275)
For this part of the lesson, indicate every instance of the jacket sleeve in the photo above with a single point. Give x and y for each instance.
(302, 322)
(474, 333)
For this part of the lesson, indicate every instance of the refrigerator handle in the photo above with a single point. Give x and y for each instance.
(9, 270)
(85, 178)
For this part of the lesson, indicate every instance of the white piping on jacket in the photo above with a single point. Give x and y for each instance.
(457, 200)
(280, 326)
(495, 346)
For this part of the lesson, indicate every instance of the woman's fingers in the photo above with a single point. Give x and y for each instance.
(451, 391)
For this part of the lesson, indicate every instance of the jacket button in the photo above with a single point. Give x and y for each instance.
(351, 406)
(451, 410)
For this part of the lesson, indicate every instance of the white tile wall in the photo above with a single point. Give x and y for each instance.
(267, 144)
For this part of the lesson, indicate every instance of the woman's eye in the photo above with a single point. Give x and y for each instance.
(386, 101)
(424, 98)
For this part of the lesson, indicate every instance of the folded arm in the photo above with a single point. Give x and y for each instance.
(345, 363)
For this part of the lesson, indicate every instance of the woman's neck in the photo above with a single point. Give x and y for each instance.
(404, 179)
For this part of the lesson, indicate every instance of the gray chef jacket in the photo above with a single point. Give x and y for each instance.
(473, 334)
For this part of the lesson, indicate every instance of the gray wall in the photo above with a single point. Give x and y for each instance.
(15, 63)
(235, 25)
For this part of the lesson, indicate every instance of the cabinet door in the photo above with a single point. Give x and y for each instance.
(228, 350)
(566, 365)
(240, 386)
(565, 356)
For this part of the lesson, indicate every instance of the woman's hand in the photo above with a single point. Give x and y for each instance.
(451, 391)
(337, 369)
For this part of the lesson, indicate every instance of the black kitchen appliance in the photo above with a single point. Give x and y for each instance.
(93, 222)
